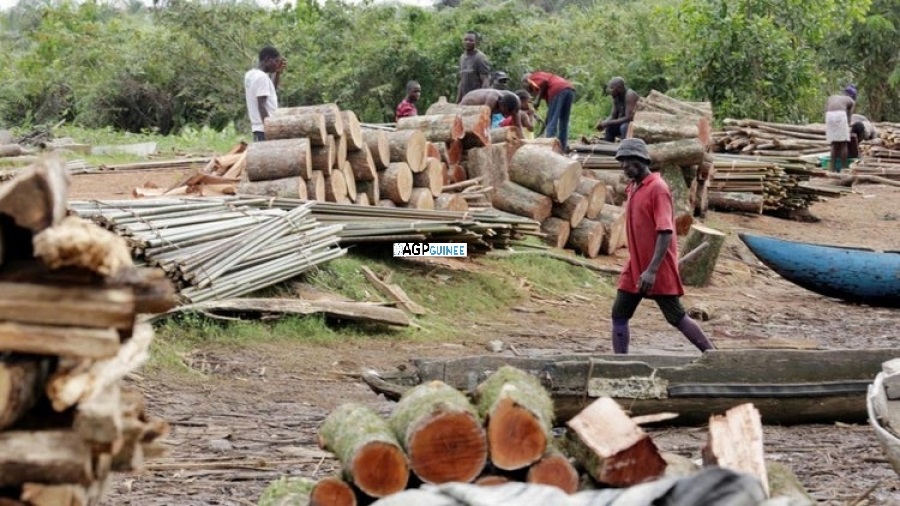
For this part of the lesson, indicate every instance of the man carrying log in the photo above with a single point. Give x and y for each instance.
(559, 94)
(260, 89)
(625, 102)
(503, 104)
(652, 268)
(407, 106)
(474, 69)
(838, 112)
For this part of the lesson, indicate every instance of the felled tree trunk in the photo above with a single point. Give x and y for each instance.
(379, 147)
(431, 178)
(362, 164)
(332, 491)
(310, 126)
(451, 202)
(323, 157)
(489, 163)
(736, 201)
(370, 455)
(350, 179)
(408, 146)
(595, 192)
(352, 131)
(441, 433)
(681, 198)
(698, 270)
(736, 443)
(516, 199)
(437, 128)
(545, 172)
(519, 414)
(587, 238)
(335, 186)
(332, 113)
(476, 121)
(315, 186)
(680, 152)
(554, 469)
(616, 185)
(656, 127)
(371, 189)
(573, 209)
(557, 231)
(613, 219)
(21, 383)
(502, 135)
(278, 159)
(288, 188)
(396, 183)
(550, 143)
(420, 198)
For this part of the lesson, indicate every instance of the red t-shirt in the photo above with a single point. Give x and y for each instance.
(648, 211)
(555, 84)
(405, 109)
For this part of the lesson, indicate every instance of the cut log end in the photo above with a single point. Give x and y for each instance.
(380, 469)
(458, 434)
(333, 492)
(554, 469)
(516, 437)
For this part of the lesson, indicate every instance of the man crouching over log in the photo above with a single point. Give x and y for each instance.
(652, 268)
(503, 104)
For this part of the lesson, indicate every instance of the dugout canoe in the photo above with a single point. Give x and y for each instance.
(858, 275)
(787, 386)
(877, 405)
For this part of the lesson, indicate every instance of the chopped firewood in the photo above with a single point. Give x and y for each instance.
(545, 172)
(736, 442)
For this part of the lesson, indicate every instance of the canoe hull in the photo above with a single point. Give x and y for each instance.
(855, 275)
(876, 401)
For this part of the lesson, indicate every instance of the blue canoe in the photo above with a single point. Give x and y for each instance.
(853, 274)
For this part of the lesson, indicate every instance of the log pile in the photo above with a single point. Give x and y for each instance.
(880, 156)
(760, 138)
(755, 185)
(68, 336)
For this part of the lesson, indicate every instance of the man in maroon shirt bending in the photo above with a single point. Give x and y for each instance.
(559, 94)
(652, 269)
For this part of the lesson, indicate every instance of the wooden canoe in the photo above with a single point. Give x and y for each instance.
(876, 403)
(787, 386)
(853, 274)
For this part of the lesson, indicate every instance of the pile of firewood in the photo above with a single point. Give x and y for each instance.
(756, 185)
(752, 137)
(68, 337)
(504, 432)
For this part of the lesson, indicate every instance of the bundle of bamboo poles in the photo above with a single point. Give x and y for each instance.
(881, 156)
(759, 184)
(752, 137)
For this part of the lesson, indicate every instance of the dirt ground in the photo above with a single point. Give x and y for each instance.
(252, 416)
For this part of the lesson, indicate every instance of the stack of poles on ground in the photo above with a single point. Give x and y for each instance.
(68, 337)
(504, 432)
(881, 156)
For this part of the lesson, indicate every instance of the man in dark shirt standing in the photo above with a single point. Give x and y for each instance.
(474, 69)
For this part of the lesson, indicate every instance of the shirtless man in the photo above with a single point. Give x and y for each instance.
(838, 113)
(503, 104)
(624, 106)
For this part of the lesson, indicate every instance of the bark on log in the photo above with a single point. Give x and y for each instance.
(595, 192)
(332, 491)
(503, 135)
(8, 150)
(616, 184)
(279, 159)
(408, 146)
(420, 198)
(441, 433)
(335, 186)
(699, 270)
(432, 177)
(516, 199)
(352, 131)
(451, 202)
(490, 163)
(680, 152)
(736, 443)
(613, 219)
(612, 448)
(437, 127)
(75, 306)
(554, 469)
(519, 415)
(288, 188)
(36, 198)
(655, 127)
(379, 147)
(370, 455)
(545, 172)
(362, 164)
(295, 126)
(53, 456)
(21, 384)
(573, 209)
(315, 186)
(396, 183)
(372, 189)
(557, 231)
(736, 201)
(551, 143)
(333, 122)
(323, 157)
(681, 198)
(587, 238)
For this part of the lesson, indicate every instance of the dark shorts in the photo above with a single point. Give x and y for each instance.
(259, 136)
(626, 304)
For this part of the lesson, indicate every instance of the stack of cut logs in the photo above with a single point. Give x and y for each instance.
(881, 156)
(68, 337)
(760, 138)
(504, 433)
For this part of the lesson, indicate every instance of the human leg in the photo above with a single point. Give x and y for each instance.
(622, 311)
(677, 317)
(566, 97)
(610, 133)
(553, 117)
(623, 130)
(259, 136)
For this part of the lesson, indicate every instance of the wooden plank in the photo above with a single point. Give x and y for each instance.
(75, 306)
(393, 292)
(53, 457)
(357, 311)
(45, 340)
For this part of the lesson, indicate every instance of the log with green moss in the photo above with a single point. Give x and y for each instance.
(441, 433)
(370, 455)
(698, 266)
(519, 415)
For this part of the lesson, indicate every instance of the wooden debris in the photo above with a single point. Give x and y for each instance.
(698, 271)
(393, 292)
(279, 159)
(736, 442)
(343, 310)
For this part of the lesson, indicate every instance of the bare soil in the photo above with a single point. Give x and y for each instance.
(251, 414)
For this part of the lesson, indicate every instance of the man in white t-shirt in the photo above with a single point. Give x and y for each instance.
(259, 88)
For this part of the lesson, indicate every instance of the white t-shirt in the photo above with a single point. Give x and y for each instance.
(258, 84)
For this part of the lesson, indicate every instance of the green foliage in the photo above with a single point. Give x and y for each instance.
(285, 491)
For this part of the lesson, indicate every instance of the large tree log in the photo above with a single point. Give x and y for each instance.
(517, 199)
(489, 163)
(279, 159)
(595, 192)
(288, 188)
(370, 455)
(335, 186)
(340, 151)
(315, 186)
(323, 157)
(350, 180)
(680, 152)
(698, 270)
(545, 172)
(379, 147)
(396, 182)
(612, 448)
(554, 469)
(681, 198)
(333, 121)
(655, 127)
(75, 306)
(519, 414)
(408, 146)
(310, 126)
(332, 491)
(21, 384)
(44, 457)
(441, 433)
(613, 219)
(504, 135)
(362, 163)
(352, 131)
(476, 121)
(550, 143)
(8, 150)
(432, 177)
(420, 198)
(437, 128)
(616, 184)
(573, 209)
(587, 238)
(557, 231)
(736, 201)
(736, 443)
(372, 189)
(451, 202)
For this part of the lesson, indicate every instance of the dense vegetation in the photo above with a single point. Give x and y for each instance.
(181, 62)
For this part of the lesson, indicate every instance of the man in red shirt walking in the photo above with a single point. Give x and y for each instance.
(652, 269)
(559, 94)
